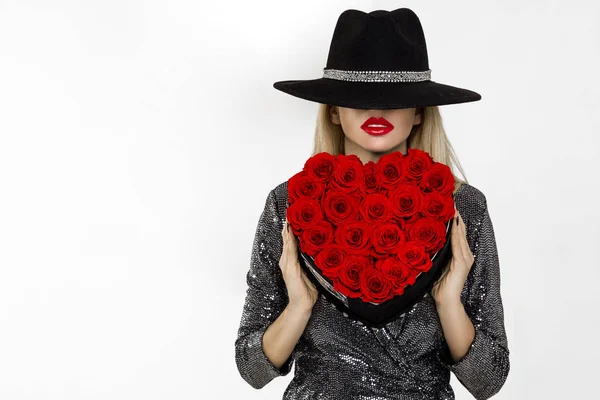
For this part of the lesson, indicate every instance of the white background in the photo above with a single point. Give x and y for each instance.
(139, 140)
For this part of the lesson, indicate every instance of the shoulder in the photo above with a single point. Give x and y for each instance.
(280, 194)
(280, 190)
(470, 199)
(473, 208)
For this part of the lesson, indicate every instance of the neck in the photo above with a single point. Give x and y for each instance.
(367, 155)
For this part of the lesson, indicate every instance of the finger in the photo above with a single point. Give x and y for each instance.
(456, 246)
(293, 241)
(287, 229)
(291, 235)
(463, 235)
(467, 256)
(292, 246)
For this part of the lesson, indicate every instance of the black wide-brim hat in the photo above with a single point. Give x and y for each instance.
(377, 60)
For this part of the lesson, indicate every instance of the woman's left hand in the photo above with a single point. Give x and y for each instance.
(449, 286)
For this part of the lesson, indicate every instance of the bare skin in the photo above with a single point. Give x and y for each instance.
(368, 147)
(458, 328)
(281, 336)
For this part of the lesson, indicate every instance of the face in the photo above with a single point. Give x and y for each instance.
(372, 133)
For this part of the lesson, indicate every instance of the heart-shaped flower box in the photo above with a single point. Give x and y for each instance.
(373, 238)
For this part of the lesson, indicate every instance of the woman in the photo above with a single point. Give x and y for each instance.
(377, 68)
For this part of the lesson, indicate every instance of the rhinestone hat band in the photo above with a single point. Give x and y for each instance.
(377, 76)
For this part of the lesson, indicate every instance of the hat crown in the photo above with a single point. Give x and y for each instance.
(378, 41)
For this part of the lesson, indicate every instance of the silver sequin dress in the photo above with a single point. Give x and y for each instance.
(338, 358)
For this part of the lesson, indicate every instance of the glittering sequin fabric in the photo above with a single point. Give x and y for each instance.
(407, 359)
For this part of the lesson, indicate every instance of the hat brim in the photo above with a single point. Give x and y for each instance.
(376, 95)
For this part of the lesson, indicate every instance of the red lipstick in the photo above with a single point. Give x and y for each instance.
(377, 126)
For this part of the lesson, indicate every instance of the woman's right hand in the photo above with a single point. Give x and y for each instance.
(302, 292)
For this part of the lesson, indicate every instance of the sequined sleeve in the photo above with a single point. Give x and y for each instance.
(266, 297)
(484, 369)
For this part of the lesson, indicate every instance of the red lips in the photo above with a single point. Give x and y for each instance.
(377, 126)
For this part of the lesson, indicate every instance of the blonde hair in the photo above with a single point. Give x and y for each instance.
(428, 136)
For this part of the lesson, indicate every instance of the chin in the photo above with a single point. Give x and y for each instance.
(380, 145)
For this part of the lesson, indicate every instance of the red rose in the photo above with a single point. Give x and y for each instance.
(302, 185)
(339, 206)
(320, 167)
(348, 174)
(303, 214)
(331, 259)
(375, 286)
(316, 237)
(438, 206)
(371, 178)
(416, 163)
(391, 169)
(414, 255)
(375, 208)
(400, 274)
(348, 280)
(406, 200)
(428, 232)
(438, 178)
(386, 238)
(353, 236)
